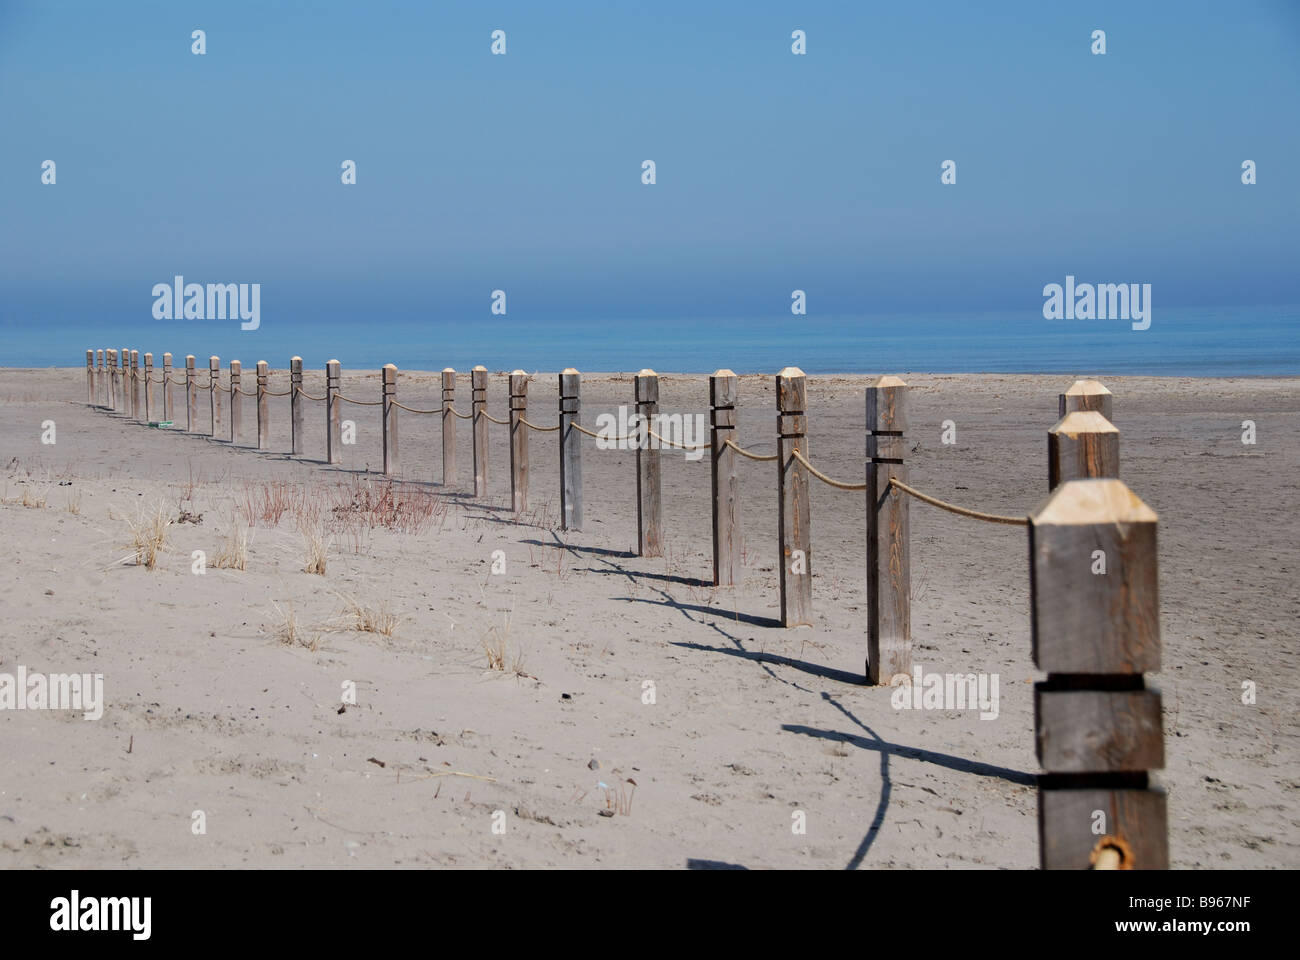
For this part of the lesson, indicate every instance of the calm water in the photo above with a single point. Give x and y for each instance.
(1250, 341)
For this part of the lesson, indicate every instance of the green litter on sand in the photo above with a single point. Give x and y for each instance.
(160, 423)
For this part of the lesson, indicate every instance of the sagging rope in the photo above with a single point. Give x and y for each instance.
(280, 393)
(529, 423)
(960, 511)
(825, 479)
(504, 423)
(402, 406)
(679, 446)
(308, 395)
(359, 403)
(463, 416)
(581, 429)
(752, 456)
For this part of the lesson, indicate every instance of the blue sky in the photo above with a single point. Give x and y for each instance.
(522, 172)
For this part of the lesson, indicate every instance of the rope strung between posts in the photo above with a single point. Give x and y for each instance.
(159, 380)
(180, 382)
(403, 406)
(825, 479)
(581, 429)
(247, 393)
(504, 423)
(278, 393)
(463, 416)
(308, 395)
(746, 453)
(359, 403)
(960, 511)
(528, 423)
(679, 446)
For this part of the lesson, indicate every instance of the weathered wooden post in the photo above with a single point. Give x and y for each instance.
(236, 400)
(101, 386)
(795, 519)
(191, 395)
(1096, 631)
(263, 408)
(448, 427)
(110, 360)
(298, 438)
(889, 599)
(333, 436)
(135, 385)
(518, 441)
(570, 450)
(649, 508)
(1081, 445)
(392, 464)
(478, 407)
(124, 374)
(148, 388)
(1085, 395)
(214, 392)
(90, 378)
(723, 394)
(168, 408)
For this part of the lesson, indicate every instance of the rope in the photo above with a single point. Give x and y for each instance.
(412, 409)
(745, 453)
(674, 443)
(180, 382)
(825, 479)
(308, 395)
(528, 423)
(504, 423)
(274, 393)
(581, 429)
(960, 511)
(159, 380)
(360, 403)
(463, 416)
(247, 393)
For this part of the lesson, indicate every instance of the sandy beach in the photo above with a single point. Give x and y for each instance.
(224, 692)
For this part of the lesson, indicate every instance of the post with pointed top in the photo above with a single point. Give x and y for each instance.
(478, 407)
(649, 510)
(723, 393)
(889, 590)
(148, 388)
(388, 376)
(448, 427)
(110, 361)
(135, 385)
(518, 440)
(90, 378)
(1085, 395)
(214, 393)
(236, 400)
(1096, 630)
(570, 450)
(1083, 444)
(263, 408)
(333, 423)
(191, 395)
(795, 519)
(167, 388)
(297, 437)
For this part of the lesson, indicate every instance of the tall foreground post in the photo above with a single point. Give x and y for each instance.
(263, 411)
(795, 516)
(236, 400)
(148, 388)
(518, 440)
(1081, 445)
(388, 394)
(649, 508)
(191, 395)
(723, 393)
(1085, 395)
(333, 435)
(167, 387)
(448, 427)
(90, 378)
(478, 407)
(1096, 631)
(570, 450)
(889, 613)
(214, 392)
(298, 438)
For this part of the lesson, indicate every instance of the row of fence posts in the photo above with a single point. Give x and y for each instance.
(1092, 547)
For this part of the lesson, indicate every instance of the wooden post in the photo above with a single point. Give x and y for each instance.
(124, 375)
(135, 384)
(518, 441)
(333, 405)
(478, 406)
(298, 438)
(570, 450)
(191, 395)
(1082, 444)
(1096, 631)
(90, 378)
(148, 388)
(1085, 395)
(795, 519)
(889, 599)
(263, 410)
(392, 464)
(110, 360)
(448, 427)
(723, 394)
(649, 509)
(167, 388)
(214, 392)
(236, 400)
(100, 386)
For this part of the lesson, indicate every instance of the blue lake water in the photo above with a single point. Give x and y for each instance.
(1245, 341)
